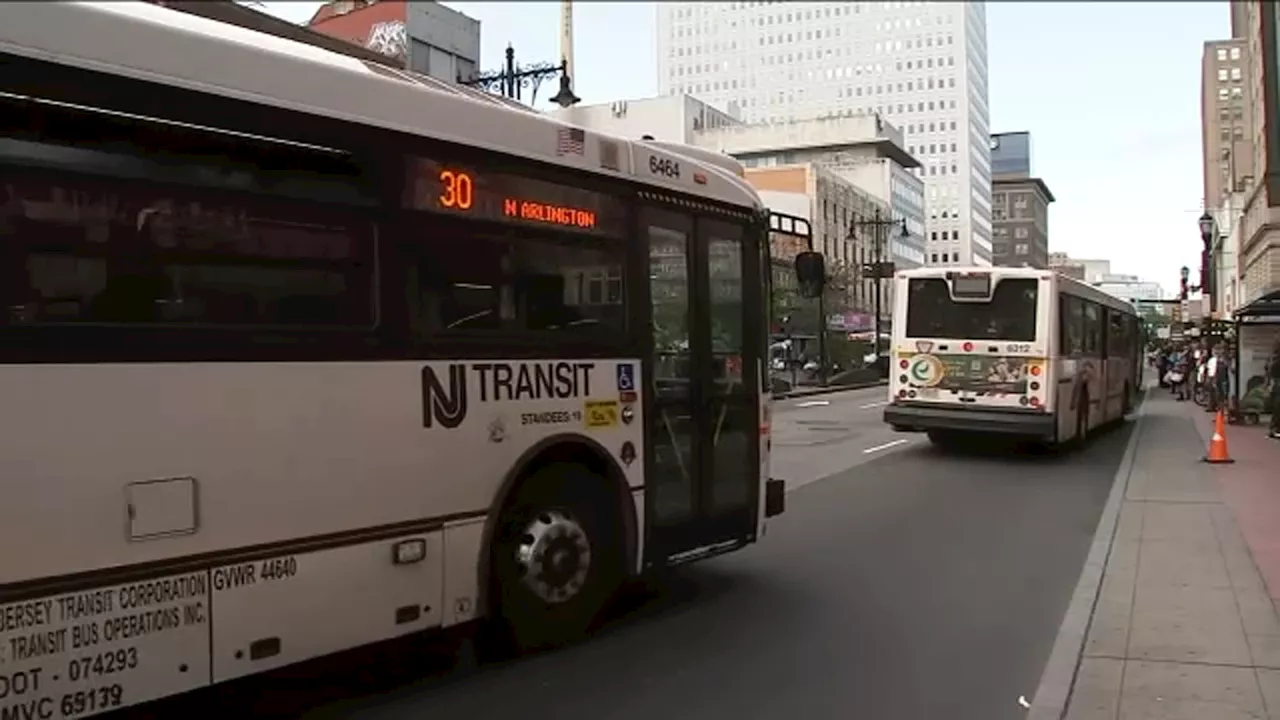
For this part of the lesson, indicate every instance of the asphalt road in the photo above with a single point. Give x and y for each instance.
(901, 584)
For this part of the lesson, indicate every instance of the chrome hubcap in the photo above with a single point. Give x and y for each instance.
(553, 556)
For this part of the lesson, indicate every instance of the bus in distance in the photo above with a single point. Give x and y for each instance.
(1016, 352)
(301, 353)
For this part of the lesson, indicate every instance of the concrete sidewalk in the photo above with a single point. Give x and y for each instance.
(1182, 624)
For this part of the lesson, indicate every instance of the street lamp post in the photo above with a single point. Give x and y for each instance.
(1184, 276)
(877, 269)
(1208, 229)
(511, 79)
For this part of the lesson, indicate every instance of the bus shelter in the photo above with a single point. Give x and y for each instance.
(1257, 328)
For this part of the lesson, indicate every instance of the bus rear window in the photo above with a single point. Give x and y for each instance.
(1010, 314)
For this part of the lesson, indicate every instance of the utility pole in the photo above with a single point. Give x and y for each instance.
(878, 269)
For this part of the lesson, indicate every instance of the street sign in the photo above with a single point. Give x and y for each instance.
(881, 270)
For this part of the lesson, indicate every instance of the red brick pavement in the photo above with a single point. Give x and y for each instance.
(1251, 488)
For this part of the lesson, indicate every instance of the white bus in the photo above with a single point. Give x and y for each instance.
(300, 353)
(1016, 352)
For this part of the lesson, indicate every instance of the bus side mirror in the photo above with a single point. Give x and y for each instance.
(811, 273)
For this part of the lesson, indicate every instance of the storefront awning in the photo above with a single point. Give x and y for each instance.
(1267, 306)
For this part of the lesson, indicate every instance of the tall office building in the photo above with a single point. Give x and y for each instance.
(1011, 154)
(922, 66)
(1227, 127)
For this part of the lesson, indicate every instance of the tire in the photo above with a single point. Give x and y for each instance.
(942, 439)
(1127, 407)
(557, 558)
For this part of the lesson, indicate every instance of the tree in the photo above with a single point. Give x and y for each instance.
(806, 318)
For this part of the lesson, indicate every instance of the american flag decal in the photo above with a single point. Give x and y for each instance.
(571, 141)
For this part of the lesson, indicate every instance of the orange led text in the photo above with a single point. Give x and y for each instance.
(456, 190)
(550, 214)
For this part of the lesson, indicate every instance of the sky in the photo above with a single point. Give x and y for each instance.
(1108, 90)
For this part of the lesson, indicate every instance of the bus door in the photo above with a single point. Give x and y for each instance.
(702, 484)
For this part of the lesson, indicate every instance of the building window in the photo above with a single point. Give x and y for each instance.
(1222, 74)
(1223, 93)
(1235, 53)
(1021, 249)
(1235, 73)
(1222, 54)
(1020, 233)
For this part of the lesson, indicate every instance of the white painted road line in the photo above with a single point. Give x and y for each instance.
(886, 446)
(813, 403)
(868, 406)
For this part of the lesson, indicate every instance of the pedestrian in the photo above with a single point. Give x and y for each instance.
(1171, 369)
(1183, 367)
(1217, 378)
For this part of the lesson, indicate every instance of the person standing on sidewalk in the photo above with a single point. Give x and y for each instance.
(1180, 377)
(1273, 375)
(1213, 383)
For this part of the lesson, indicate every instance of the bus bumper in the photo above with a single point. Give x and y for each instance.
(775, 498)
(1021, 423)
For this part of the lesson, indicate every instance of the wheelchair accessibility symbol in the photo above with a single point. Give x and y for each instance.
(626, 378)
(925, 370)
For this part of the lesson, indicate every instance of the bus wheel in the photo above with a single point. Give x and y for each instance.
(943, 439)
(558, 557)
(1128, 402)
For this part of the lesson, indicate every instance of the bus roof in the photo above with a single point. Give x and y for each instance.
(1068, 284)
(157, 44)
(926, 272)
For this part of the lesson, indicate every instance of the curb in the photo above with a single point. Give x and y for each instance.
(1058, 680)
(829, 389)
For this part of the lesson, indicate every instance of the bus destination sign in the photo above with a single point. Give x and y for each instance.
(970, 284)
(453, 189)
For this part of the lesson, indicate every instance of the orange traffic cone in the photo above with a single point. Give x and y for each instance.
(1218, 443)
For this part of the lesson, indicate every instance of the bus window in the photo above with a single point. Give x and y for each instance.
(85, 251)
(1070, 325)
(1010, 314)
(469, 281)
(1092, 328)
(1117, 334)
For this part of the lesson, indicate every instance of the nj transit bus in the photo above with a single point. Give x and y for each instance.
(1016, 352)
(300, 353)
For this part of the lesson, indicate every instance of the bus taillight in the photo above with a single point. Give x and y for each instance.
(1035, 371)
(903, 363)
(1035, 402)
(967, 347)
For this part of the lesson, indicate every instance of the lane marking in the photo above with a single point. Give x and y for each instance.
(813, 403)
(868, 406)
(885, 446)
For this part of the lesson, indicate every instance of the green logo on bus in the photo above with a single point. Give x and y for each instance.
(926, 370)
